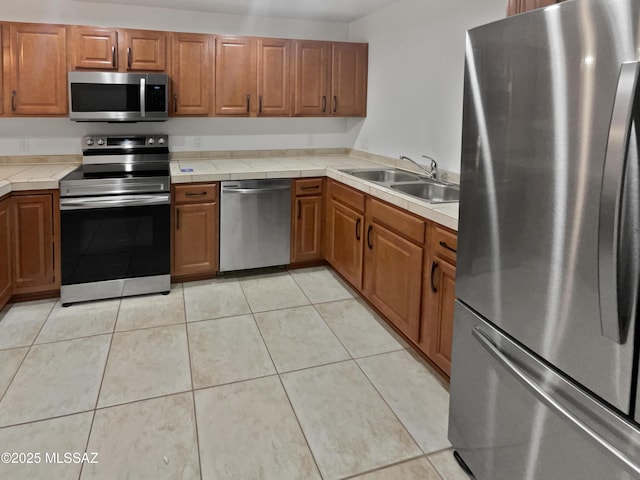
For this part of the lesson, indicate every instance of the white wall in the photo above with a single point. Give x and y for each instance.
(416, 76)
(61, 136)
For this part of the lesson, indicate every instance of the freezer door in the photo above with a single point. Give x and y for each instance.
(540, 254)
(512, 417)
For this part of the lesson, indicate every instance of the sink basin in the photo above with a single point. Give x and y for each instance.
(384, 176)
(431, 192)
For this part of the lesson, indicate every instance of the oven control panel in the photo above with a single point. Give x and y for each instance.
(124, 142)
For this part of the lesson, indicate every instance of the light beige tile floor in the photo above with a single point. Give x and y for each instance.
(273, 376)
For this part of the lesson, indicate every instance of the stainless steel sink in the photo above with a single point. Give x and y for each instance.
(431, 192)
(385, 176)
(419, 186)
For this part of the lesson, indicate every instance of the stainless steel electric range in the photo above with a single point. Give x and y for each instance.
(115, 219)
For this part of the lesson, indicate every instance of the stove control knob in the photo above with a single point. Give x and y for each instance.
(100, 141)
(89, 141)
(161, 141)
(151, 141)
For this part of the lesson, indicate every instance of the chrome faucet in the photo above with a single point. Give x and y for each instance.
(431, 172)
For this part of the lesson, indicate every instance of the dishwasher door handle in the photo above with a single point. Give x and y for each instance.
(255, 190)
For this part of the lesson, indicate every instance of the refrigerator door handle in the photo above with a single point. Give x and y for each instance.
(628, 432)
(611, 202)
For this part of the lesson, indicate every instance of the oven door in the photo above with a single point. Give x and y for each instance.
(110, 238)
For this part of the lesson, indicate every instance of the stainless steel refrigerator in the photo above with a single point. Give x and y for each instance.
(546, 348)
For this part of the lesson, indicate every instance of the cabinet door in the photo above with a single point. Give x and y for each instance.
(5, 252)
(195, 239)
(344, 241)
(437, 319)
(520, 6)
(33, 241)
(94, 48)
(3, 55)
(307, 229)
(38, 70)
(311, 74)
(393, 277)
(236, 76)
(145, 50)
(191, 73)
(349, 79)
(274, 96)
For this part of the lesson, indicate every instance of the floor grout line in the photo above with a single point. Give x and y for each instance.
(315, 462)
(384, 467)
(104, 371)
(193, 390)
(390, 407)
(27, 353)
(193, 393)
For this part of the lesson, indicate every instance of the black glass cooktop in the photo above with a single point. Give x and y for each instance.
(80, 173)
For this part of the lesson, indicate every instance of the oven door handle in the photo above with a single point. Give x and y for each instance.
(86, 203)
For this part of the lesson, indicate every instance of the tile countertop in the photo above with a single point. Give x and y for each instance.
(20, 177)
(203, 170)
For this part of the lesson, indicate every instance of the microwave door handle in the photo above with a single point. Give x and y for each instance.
(143, 91)
(611, 202)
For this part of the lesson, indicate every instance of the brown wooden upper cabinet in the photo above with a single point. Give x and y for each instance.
(98, 48)
(274, 97)
(191, 73)
(93, 48)
(252, 76)
(37, 70)
(3, 29)
(329, 78)
(349, 79)
(144, 50)
(520, 6)
(235, 76)
(311, 73)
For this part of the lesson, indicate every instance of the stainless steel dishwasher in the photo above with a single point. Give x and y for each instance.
(255, 224)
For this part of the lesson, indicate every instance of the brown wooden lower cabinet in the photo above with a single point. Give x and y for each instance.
(307, 229)
(34, 233)
(344, 241)
(437, 319)
(393, 277)
(195, 231)
(5, 251)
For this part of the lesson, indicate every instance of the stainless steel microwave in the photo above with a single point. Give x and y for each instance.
(118, 97)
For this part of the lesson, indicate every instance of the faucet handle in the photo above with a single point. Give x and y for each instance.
(434, 164)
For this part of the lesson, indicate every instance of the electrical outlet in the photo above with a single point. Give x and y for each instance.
(309, 140)
(365, 142)
(197, 142)
(24, 144)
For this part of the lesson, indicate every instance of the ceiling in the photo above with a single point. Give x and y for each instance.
(319, 10)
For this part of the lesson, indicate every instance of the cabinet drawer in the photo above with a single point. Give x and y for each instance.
(309, 186)
(198, 193)
(404, 223)
(444, 243)
(347, 195)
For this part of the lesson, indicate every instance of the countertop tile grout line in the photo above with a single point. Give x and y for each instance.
(193, 393)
